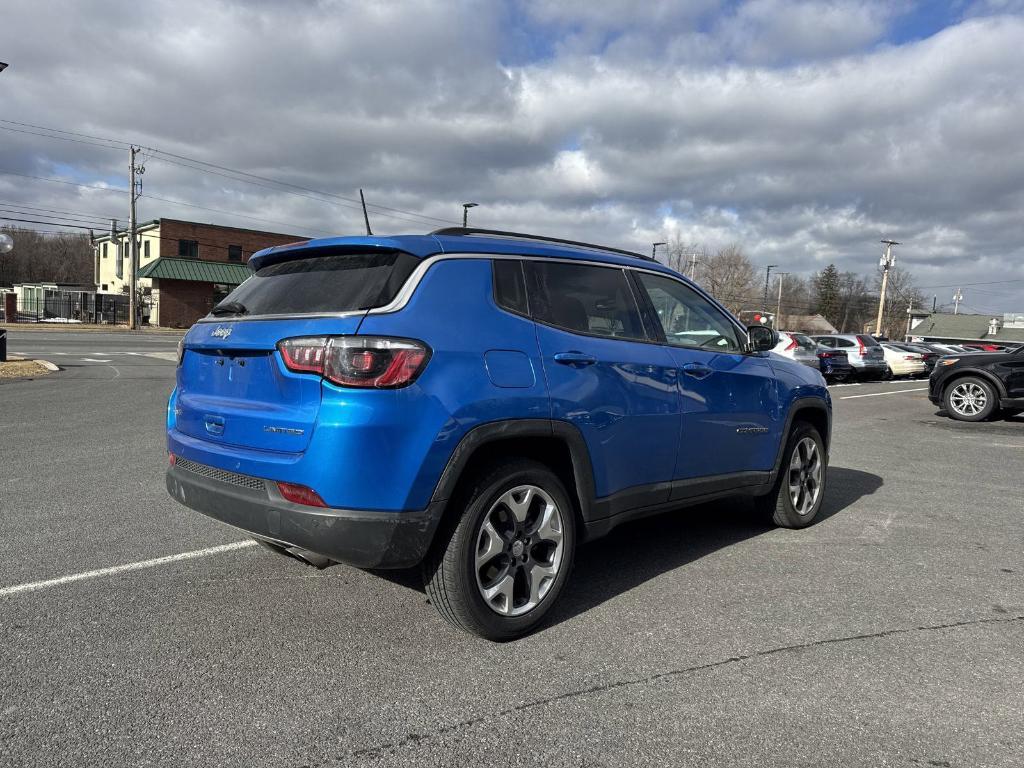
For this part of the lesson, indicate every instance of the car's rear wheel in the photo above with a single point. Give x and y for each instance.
(970, 399)
(499, 566)
(799, 490)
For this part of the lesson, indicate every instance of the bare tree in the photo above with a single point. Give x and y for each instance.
(730, 277)
(44, 257)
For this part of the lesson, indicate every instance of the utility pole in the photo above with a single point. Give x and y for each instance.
(693, 267)
(135, 189)
(886, 263)
(957, 298)
(767, 274)
(778, 305)
(910, 309)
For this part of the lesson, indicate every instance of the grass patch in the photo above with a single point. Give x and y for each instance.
(22, 369)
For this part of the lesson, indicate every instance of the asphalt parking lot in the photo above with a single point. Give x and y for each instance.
(889, 633)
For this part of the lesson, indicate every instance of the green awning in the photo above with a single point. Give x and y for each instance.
(196, 270)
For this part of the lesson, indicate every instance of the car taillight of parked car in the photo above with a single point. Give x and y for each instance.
(366, 362)
(792, 344)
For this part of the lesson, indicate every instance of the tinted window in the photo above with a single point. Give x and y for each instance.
(329, 283)
(234, 253)
(583, 299)
(687, 318)
(844, 343)
(509, 286)
(805, 341)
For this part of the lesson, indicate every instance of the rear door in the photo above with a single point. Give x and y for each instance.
(606, 377)
(233, 387)
(729, 399)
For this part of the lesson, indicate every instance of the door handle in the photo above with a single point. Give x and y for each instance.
(575, 358)
(697, 370)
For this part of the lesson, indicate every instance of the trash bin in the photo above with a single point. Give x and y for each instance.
(3, 346)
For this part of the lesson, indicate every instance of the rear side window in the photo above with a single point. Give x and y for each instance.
(325, 283)
(867, 341)
(593, 300)
(510, 286)
(844, 343)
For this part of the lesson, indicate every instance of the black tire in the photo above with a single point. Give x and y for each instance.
(887, 376)
(839, 378)
(983, 407)
(450, 569)
(778, 503)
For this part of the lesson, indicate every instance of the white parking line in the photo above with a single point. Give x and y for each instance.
(876, 394)
(32, 586)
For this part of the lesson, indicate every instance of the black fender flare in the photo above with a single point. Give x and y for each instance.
(494, 431)
(798, 406)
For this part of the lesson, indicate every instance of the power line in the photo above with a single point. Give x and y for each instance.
(234, 174)
(56, 210)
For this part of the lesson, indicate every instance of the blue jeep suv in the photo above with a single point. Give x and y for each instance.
(478, 403)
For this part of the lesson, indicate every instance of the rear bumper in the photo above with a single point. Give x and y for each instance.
(365, 539)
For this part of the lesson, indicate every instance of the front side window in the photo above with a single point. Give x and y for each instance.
(687, 318)
(596, 301)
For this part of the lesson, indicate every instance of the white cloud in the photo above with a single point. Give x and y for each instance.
(791, 127)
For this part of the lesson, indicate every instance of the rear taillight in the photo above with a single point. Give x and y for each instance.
(300, 494)
(910, 357)
(370, 362)
(860, 348)
(824, 354)
(791, 346)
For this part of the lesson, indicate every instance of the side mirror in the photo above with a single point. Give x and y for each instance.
(762, 338)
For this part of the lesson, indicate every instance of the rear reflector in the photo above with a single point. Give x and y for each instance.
(300, 494)
(171, 459)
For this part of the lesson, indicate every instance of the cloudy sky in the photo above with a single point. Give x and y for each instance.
(804, 130)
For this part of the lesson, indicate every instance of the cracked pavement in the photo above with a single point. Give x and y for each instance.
(889, 633)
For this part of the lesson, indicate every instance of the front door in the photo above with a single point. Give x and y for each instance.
(606, 377)
(729, 398)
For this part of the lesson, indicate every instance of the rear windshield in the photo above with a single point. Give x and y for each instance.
(325, 283)
(867, 341)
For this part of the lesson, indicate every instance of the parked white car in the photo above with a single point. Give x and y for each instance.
(902, 362)
(798, 347)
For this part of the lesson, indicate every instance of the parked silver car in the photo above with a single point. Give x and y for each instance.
(797, 347)
(864, 353)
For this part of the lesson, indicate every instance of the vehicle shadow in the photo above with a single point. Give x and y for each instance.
(640, 551)
(637, 552)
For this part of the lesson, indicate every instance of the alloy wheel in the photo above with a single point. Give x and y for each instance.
(519, 550)
(968, 398)
(805, 476)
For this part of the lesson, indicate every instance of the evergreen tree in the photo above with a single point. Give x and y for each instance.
(826, 294)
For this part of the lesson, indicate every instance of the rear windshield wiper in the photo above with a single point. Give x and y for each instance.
(229, 308)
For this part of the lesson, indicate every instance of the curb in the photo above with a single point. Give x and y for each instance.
(47, 365)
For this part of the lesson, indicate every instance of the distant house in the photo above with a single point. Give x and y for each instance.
(1008, 329)
(809, 324)
(184, 267)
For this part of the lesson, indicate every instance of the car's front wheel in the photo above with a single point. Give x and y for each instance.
(799, 489)
(498, 567)
(970, 399)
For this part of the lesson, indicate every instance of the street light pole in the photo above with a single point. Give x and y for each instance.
(654, 248)
(767, 274)
(887, 261)
(465, 213)
(778, 305)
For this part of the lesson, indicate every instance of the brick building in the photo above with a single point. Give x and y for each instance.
(184, 267)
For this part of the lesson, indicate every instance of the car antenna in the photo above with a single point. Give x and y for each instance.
(366, 216)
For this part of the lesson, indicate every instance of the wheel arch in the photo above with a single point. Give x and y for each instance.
(976, 373)
(812, 410)
(557, 444)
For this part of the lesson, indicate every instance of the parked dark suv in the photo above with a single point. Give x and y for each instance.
(478, 403)
(979, 385)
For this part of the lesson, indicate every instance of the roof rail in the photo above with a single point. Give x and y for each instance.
(463, 231)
